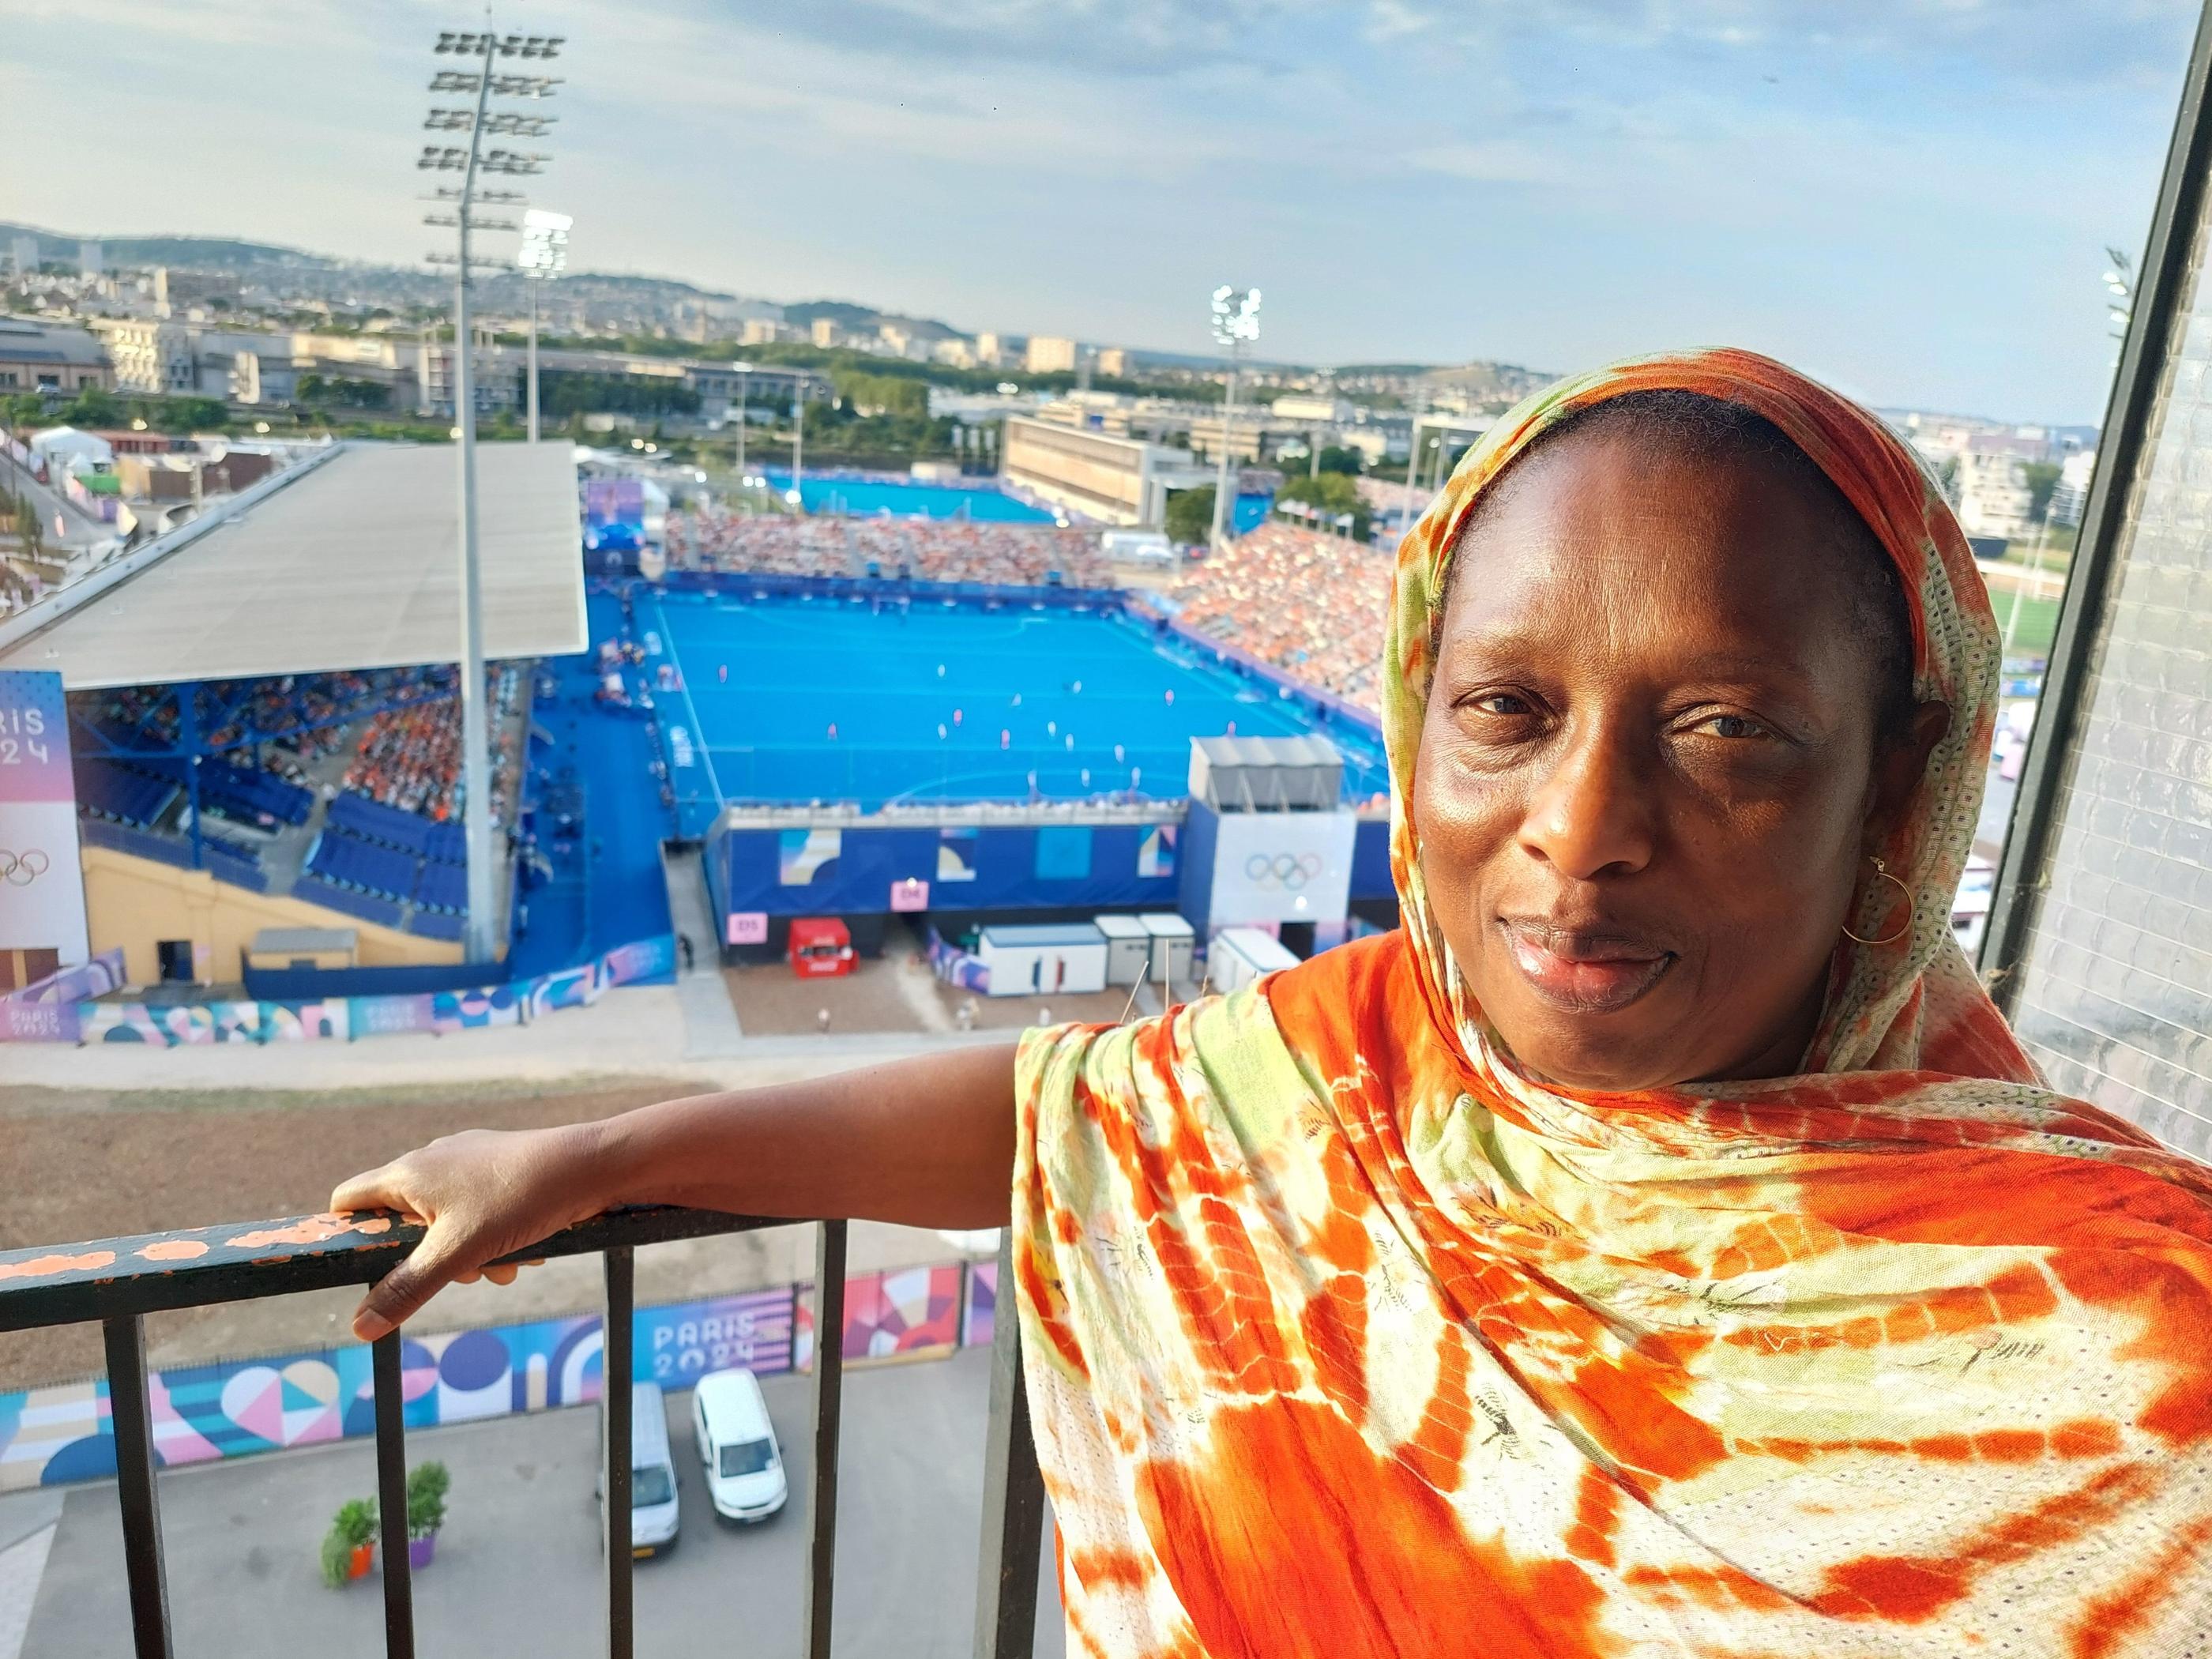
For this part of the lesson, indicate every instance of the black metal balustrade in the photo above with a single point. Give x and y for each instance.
(119, 1281)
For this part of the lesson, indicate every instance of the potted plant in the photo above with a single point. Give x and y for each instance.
(426, 1486)
(350, 1545)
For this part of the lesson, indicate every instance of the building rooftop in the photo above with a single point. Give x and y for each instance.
(25, 342)
(348, 562)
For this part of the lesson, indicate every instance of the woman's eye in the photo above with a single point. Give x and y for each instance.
(1501, 703)
(1732, 725)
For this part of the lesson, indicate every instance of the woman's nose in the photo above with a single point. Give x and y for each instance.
(1591, 814)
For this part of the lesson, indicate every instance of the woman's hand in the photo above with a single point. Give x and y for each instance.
(925, 1142)
(483, 1194)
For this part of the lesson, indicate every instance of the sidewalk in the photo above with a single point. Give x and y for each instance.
(670, 1031)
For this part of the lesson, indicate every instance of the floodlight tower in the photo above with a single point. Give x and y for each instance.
(483, 932)
(1235, 322)
(544, 256)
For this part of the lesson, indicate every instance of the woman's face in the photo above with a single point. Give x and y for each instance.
(1648, 764)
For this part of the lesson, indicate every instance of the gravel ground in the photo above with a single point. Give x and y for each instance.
(86, 1164)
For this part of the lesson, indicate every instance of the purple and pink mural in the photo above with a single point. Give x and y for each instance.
(334, 1019)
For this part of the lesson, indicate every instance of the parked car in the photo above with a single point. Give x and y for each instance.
(654, 1511)
(737, 1446)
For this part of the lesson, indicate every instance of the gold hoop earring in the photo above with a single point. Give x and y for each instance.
(1911, 908)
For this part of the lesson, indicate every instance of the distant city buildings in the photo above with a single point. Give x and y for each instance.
(1115, 481)
(2071, 494)
(42, 355)
(1114, 362)
(1048, 354)
(1993, 496)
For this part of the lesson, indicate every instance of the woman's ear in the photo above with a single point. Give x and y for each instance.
(1899, 766)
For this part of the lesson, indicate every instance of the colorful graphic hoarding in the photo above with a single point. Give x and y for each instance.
(53, 1435)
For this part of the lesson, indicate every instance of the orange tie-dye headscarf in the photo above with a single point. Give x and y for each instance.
(1344, 1337)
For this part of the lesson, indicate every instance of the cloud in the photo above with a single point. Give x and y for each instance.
(1387, 20)
(1494, 161)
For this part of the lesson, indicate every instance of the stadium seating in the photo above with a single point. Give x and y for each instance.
(371, 820)
(363, 866)
(1308, 603)
(244, 792)
(123, 794)
(924, 550)
(443, 887)
(239, 865)
(431, 924)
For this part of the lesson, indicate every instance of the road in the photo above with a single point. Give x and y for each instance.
(518, 1566)
(80, 528)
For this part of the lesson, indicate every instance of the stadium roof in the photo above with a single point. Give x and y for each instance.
(353, 562)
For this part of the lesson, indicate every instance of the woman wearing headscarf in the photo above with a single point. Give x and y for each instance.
(1658, 1245)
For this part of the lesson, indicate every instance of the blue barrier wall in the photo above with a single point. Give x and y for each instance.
(1016, 867)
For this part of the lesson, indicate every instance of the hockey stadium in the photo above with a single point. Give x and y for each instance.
(264, 794)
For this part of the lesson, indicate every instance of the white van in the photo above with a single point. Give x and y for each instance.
(653, 1511)
(737, 1446)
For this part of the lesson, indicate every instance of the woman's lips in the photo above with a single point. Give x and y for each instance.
(1584, 972)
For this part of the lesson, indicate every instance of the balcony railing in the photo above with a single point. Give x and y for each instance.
(119, 1281)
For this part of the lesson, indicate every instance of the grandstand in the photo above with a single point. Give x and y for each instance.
(919, 550)
(1310, 605)
(296, 760)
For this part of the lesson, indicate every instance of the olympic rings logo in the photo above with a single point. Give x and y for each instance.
(1288, 871)
(21, 869)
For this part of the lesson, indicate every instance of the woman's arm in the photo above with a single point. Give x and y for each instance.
(927, 1141)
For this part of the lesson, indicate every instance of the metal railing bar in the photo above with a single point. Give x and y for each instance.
(73, 1284)
(392, 1498)
(132, 1418)
(1014, 1491)
(614, 1514)
(828, 1411)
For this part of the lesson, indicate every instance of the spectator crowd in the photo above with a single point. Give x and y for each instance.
(410, 758)
(1308, 603)
(924, 550)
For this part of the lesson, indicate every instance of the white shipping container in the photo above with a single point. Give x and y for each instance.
(1054, 960)
(1129, 949)
(1238, 956)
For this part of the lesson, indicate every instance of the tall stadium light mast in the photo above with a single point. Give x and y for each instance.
(544, 256)
(1235, 322)
(798, 434)
(482, 932)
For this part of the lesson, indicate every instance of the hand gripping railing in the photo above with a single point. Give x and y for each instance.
(118, 1281)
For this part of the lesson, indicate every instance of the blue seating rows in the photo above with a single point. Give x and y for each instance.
(122, 792)
(443, 887)
(431, 924)
(411, 832)
(255, 792)
(239, 865)
(347, 860)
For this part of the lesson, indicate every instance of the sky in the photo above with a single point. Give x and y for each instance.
(1909, 198)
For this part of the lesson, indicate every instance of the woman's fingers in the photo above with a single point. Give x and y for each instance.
(381, 1189)
(442, 1257)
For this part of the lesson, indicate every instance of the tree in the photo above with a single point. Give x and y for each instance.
(1348, 461)
(1190, 515)
(2042, 479)
(93, 407)
(1333, 494)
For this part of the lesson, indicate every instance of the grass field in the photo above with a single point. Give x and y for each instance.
(2038, 624)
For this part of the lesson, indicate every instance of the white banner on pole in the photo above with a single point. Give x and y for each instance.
(41, 877)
